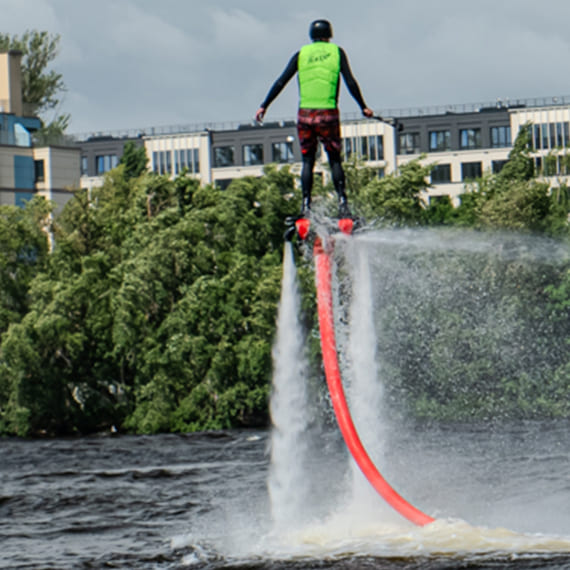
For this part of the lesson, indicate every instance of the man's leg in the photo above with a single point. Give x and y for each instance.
(337, 172)
(307, 180)
(308, 142)
(329, 134)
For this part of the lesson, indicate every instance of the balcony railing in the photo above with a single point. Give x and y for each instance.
(41, 138)
(500, 103)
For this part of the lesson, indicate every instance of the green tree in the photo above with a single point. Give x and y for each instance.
(520, 166)
(41, 87)
(155, 312)
(514, 199)
(440, 211)
(135, 160)
(23, 252)
(396, 199)
(518, 205)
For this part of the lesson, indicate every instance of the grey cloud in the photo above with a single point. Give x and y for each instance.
(137, 62)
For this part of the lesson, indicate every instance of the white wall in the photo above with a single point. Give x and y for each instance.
(61, 173)
(7, 166)
(200, 140)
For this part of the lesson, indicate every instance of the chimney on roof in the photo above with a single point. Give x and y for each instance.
(11, 82)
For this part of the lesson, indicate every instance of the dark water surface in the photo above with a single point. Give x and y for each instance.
(201, 501)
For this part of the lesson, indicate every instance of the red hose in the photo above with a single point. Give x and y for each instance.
(334, 382)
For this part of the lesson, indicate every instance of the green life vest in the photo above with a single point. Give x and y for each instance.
(319, 69)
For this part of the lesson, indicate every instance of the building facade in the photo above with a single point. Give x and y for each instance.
(25, 168)
(462, 145)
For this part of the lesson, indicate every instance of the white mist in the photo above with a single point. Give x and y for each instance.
(288, 481)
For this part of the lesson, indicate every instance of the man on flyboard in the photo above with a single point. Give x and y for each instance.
(319, 66)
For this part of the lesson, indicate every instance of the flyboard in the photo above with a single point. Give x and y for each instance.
(322, 251)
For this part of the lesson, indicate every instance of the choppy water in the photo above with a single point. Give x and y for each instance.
(502, 496)
(292, 498)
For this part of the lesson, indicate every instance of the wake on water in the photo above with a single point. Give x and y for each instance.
(358, 520)
(349, 519)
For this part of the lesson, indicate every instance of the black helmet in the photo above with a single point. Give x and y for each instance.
(320, 30)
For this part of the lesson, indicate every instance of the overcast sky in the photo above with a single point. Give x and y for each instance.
(131, 64)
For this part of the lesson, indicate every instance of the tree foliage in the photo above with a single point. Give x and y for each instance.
(135, 160)
(156, 310)
(23, 254)
(41, 87)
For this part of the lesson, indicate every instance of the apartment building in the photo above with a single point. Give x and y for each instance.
(461, 142)
(27, 169)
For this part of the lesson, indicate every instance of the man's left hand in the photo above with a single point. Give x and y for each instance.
(260, 114)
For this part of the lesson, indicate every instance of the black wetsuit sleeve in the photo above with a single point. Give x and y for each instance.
(281, 81)
(349, 80)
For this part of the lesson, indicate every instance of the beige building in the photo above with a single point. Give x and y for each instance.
(462, 142)
(25, 168)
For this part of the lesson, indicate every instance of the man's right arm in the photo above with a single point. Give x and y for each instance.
(352, 84)
(278, 86)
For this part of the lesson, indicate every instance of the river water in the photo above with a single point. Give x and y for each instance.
(501, 495)
(291, 497)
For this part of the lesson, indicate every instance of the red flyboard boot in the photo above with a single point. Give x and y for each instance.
(303, 225)
(345, 225)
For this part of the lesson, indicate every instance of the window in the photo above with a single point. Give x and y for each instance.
(367, 147)
(179, 160)
(552, 132)
(22, 135)
(439, 140)
(439, 201)
(168, 161)
(282, 152)
(162, 161)
(186, 158)
(347, 146)
(223, 183)
(497, 166)
(223, 156)
(409, 143)
(195, 160)
(84, 166)
(500, 137)
(441, 173)
(536, 139)
(550, 165)
(471, 170)
(252, 154)
(39, 170)
(544, 135)
(559, 135)
(470, 138)
(376, 147)
(550, 135)
(563, 165)
(105, 162)
(364, 147)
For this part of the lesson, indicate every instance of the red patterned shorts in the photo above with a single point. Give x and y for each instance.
(315, 125)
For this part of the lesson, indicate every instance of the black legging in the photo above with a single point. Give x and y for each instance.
(307, 176)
